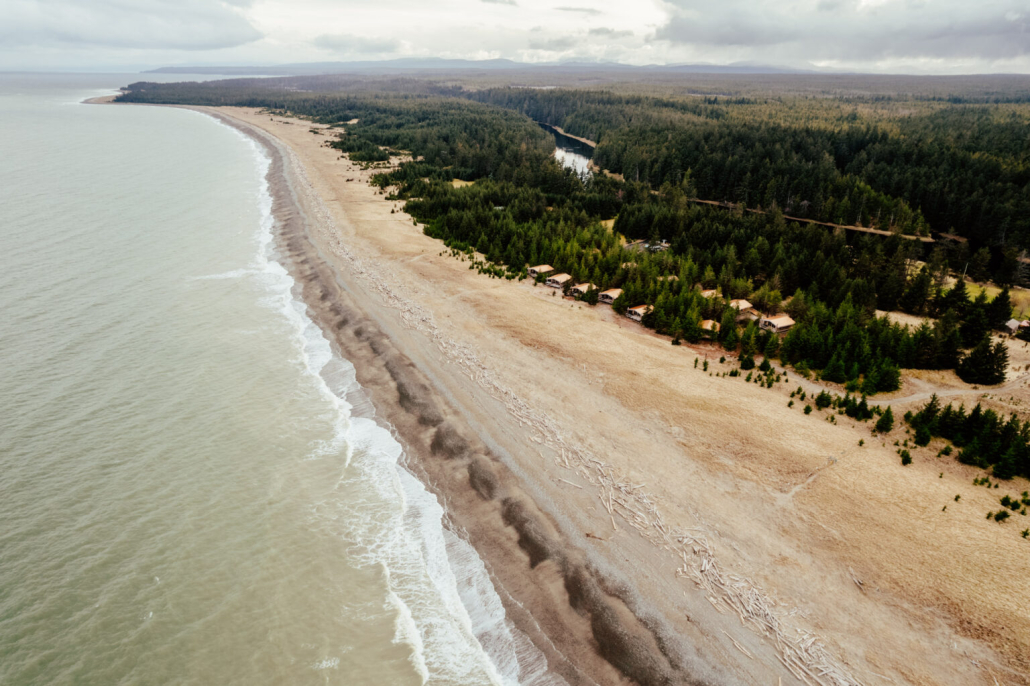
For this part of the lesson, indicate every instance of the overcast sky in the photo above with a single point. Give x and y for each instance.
(910, 36)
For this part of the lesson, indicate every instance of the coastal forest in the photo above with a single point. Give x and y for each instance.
(713, 192)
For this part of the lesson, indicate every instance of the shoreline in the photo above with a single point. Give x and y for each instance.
(440, 446)
(405, 331)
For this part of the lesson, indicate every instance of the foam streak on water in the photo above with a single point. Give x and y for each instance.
(437, 582)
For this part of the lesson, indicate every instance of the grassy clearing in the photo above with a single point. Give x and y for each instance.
(1020, 297)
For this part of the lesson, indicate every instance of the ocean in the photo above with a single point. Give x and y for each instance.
(193, 488)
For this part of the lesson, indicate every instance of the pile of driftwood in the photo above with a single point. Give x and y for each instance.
(803, 654)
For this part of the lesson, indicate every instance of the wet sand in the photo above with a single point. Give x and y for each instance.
(645, 521)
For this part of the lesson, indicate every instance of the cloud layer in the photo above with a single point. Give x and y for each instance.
(854, 30)
(190, 25)
(936, 36)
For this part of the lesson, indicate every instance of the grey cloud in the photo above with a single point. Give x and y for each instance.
(345, 43)
(846, 30)
(829, 5)
(580, 10)
(141, 24)
(554, 44)
(609, 33)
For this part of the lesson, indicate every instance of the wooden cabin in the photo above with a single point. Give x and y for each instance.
(540, 269)
(777, 324)
(609, 296)
(709, 293)
(582, 288)
(558, 280)
(710, 325)
(637, 313)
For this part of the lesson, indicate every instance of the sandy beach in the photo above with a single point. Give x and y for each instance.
(644, 520)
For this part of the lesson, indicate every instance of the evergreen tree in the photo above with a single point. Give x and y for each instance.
(956, 299)
(985, 364)
(976, 325)
(749, 340)
(834, 371)
(1000, 310)
(886, 422)
(888, 377)
(915, 296)
(731, 339)
(978, 265)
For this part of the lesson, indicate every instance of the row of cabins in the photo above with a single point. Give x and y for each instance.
(777, 324)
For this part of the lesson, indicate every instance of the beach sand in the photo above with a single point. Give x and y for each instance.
(643, 520)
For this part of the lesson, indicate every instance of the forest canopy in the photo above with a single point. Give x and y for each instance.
(910, 170)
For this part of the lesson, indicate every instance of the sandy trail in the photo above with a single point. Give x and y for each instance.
(728, 538)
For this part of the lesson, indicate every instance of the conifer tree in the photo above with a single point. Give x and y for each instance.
(886, 422)
(985, 364)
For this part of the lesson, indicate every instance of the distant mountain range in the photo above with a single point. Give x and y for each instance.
(413, 64)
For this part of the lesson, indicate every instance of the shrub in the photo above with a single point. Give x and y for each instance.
(1001, 516)
(765, 366)
(790, 404)
(823, 400)
(808, 409)
(906, 458)
(922, 436)
(747, 362)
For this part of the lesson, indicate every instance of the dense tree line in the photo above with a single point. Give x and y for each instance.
(986, 438)
(469, 139)
(960, 168)
(758, 257)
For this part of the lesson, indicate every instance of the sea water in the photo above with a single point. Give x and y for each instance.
(193, 487)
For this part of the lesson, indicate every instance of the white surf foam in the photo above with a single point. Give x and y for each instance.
(447, 611)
